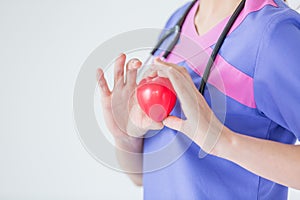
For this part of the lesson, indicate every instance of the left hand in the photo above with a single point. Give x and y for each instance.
(201, 125)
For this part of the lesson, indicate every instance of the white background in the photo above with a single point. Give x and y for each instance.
(42, 47)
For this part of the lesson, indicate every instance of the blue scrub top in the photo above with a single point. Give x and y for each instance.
(262, 100)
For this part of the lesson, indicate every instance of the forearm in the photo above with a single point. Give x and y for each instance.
(129, 153)
(272, 160)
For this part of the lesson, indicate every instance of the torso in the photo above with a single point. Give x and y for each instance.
(230, 93)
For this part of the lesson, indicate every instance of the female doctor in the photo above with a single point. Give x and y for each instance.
(254, 156)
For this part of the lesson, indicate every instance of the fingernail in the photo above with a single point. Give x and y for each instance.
(159, 59)
(121, 55)
(133, 61)
(134, 64)
(152, 74)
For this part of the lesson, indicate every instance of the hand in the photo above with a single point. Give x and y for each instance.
(200, 125)
(122, 114)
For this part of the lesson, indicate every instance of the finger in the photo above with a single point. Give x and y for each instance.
(184, 88)
(164, 68)
(119, 69)
(176, 75)
(104, 89)
(180, 69)
(174, 123)
(158, 61)
(185, 91)
(131, 71)
(151, 72)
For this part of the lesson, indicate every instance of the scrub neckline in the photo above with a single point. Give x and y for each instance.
(210, 37)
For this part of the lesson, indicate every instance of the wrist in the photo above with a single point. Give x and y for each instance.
(129, 144)
(225, 144)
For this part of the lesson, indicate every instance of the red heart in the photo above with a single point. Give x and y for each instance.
(156, 97)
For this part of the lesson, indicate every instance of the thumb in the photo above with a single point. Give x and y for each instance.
(174, 123)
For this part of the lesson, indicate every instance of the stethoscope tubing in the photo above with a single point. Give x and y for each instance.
(177, 31)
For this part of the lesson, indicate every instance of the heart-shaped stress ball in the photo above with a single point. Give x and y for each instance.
(156, 97)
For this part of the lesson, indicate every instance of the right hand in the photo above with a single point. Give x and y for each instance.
(122, 114)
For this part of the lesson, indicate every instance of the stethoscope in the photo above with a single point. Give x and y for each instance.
(176, 32)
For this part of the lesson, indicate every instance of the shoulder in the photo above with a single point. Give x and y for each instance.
(279, 19)
(284, 16)
(281, 33)
(267, 16)
(276, 77)
(279, 41)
